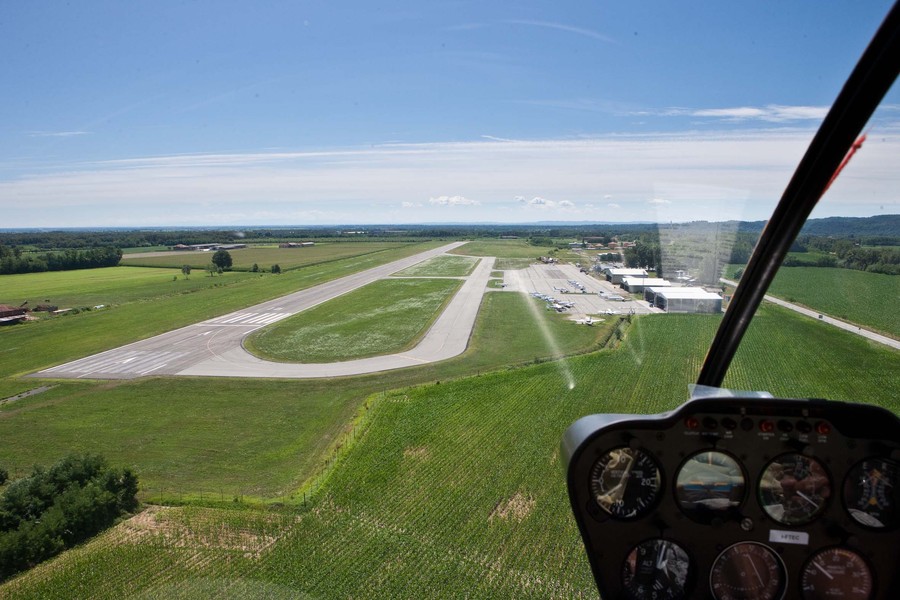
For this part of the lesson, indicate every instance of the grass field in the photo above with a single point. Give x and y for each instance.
(441, 266)
(109, 286)
(143, 249)
(454, 490)
(384, 317)
(188, 437)
(867, 299)
(265, 257)
(503, 249)
(33, 346)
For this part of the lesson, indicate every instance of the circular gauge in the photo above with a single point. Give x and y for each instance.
(836, 573)
(872, 493)
(709, 485)
(656, 570)
(794, 489)
(625, 482)
(748, 571)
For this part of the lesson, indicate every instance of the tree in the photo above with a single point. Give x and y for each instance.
(186, 270)
(211, 269)
(222, 259)
(254, 268)
(276, 269)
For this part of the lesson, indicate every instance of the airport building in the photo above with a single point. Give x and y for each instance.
(637, 285)
(684, 299)
(617, 275)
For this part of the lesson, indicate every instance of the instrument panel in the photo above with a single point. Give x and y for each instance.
(738, 499)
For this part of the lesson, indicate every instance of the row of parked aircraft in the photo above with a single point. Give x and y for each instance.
(563, 305)
(557, 305)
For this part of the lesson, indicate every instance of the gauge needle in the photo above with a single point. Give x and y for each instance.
(755, 570)
(661, 558)
(807, 498)
(621, 486)
(825, 572)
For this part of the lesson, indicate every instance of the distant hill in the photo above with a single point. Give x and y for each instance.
(852, 227)
(881, 225)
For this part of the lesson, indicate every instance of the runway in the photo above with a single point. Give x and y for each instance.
(213, 347)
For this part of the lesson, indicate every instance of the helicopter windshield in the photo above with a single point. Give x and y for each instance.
(331, 280)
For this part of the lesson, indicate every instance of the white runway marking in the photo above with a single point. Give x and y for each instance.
(245, 318)
(116, 361)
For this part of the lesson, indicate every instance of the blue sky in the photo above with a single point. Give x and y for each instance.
(226, 113)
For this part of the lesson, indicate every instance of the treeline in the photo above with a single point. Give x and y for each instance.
(847, 254)
(52, 510)
(13, 260)
(54, 240)
(866, 230)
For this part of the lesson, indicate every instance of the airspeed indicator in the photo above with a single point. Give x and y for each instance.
(625, 483)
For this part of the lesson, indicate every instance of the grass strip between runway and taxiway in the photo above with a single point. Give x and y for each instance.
(384, 317)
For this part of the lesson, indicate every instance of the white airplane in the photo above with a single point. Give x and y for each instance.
(589, 321)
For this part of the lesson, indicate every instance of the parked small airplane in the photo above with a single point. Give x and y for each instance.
(589, 321)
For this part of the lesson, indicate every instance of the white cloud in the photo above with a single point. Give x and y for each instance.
(453, 201)
(57, 133)
(658, 201)
(774, 113)
(543, 203)
(770, 113)
(698, 172)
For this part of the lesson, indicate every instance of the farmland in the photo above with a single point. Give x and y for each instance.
(257, 439)
(265, 257)
(381, 318)
(439, 480)
(453, 489)
(867, 299)
(108, 286)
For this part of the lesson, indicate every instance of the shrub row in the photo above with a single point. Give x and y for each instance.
(56, 508)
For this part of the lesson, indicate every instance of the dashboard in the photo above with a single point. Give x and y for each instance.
(739, 498)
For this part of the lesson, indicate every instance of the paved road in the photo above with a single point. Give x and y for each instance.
(871, 335)
(213, 347)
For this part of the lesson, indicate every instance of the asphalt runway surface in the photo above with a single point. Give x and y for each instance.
(213, 347)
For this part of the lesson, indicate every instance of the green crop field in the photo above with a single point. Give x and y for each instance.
(441, 266)
(867, 299)
(453, 490)
(265, 257)
(384, 317)
(502, 249)
(108, 286)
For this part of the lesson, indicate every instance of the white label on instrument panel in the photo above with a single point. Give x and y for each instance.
(778, 536)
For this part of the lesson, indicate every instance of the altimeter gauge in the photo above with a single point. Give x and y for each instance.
(656, 570)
